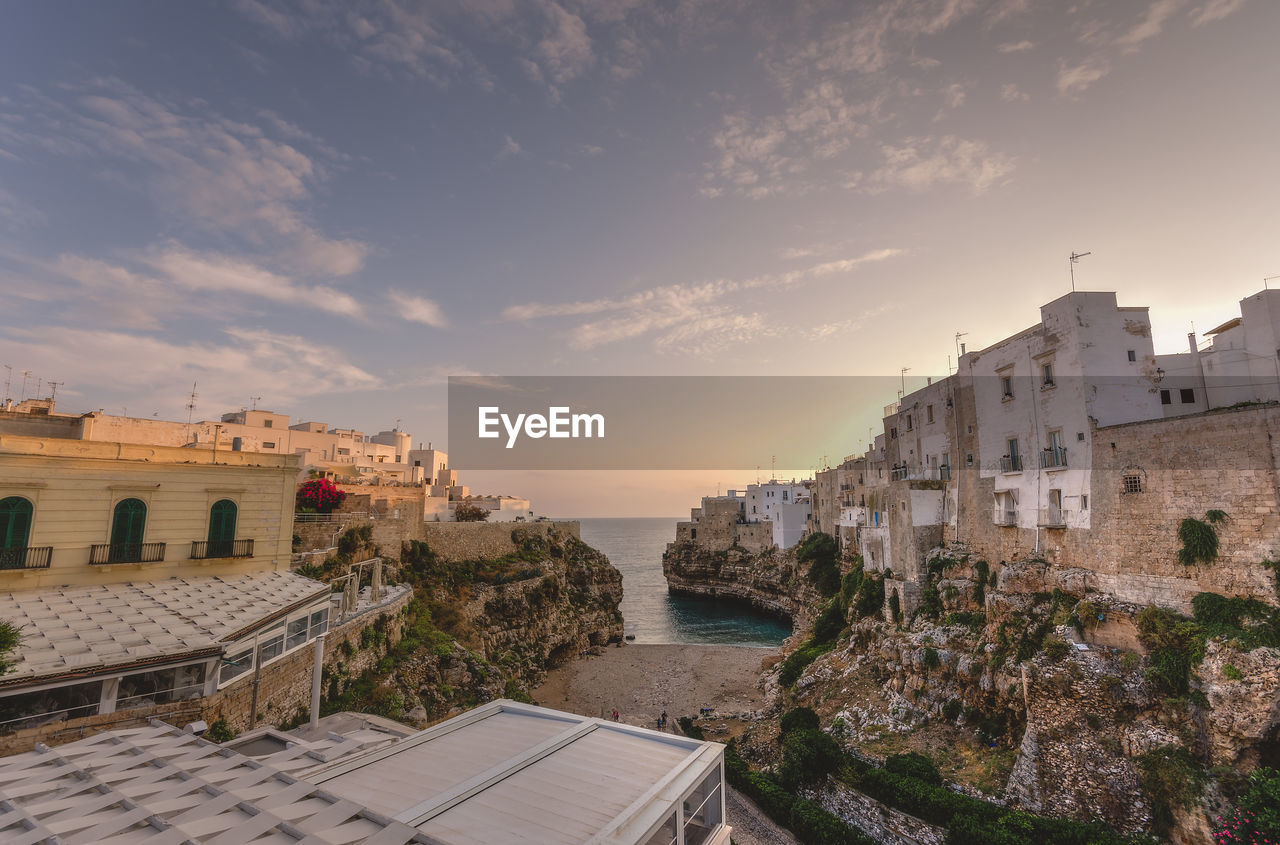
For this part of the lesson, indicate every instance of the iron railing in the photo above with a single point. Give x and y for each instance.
(898, 474)
(1055, 457)
(104, 553)
(1052, 517)
(208, 549)
(26, 557)
(1011, 463)
(1003, 516)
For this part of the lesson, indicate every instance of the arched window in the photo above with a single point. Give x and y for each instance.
(126, 530)
(15, 522)
(222, 528)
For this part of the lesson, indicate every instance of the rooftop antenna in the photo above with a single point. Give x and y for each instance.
(958, 352)
(253, 402)
(8, 379)
(903, 374)
(39, 384)
(26, 374)
(773, 467)
(1266, 279)
(53, 390)
(1071, 262)
(191, 408)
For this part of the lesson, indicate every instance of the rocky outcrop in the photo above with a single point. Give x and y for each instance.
(768, 581)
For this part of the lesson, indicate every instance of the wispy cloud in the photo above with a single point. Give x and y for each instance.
(1016, 46)
(418, 309)
(508, 149)
(921, 163)
(1215, 10)
(699, 317)
(1152, 23)
(1074, 79)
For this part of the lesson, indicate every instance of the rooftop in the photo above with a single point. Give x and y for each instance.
(79, 629)
(54, 447)
(504, 772)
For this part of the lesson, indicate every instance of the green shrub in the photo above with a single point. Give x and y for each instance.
(819, 551)
(829, 624)
(813, 825)
(1199, 538)
(1231, 673)
(808, 756)
(1172, 779)
(1055, 648)
(689, 728)
(1261, 801)
(799, 718)
(795, 664)
(870, 598)
(220, 731)
(929, 657)
(952, 709)
(914, 765)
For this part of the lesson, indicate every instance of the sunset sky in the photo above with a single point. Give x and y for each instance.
(336, 205)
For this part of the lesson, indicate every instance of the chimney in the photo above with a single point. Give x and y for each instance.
(1191, 341)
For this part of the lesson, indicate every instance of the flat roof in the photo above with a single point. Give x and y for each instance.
(502, 773)
(78, 630)
(106, 450)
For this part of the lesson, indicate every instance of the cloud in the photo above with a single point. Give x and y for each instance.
(508, 149)
(591, 150)
(699, 318)
(1152, 24)
(1016, 46)
(1011, 93)
(921, 163)
(216, 174)
(146, 373)
(1215, 10)
(1075, 79)
(418, 309)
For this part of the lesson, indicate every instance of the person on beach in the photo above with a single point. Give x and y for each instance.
(616, 715)
(662, 720)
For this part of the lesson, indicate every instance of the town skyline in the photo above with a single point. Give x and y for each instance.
(329, 209)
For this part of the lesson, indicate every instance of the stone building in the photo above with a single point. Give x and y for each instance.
(723, 523)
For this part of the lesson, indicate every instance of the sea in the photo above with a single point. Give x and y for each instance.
(635, 547)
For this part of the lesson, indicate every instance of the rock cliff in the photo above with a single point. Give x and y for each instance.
(768, 581)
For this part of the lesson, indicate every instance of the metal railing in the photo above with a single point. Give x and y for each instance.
(337, 516)
(1011, 463)
(1004, 516)
(898, 474)
(26, 557)
(104, 553)
(1053, 458)
(165, 696)
(1052, 517)
(208, 549)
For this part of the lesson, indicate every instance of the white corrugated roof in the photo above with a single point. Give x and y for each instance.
(75, 628)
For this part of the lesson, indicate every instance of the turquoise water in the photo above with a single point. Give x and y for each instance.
(635, 547)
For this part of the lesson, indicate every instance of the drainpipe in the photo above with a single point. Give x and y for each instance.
(217, 429)
(317, 671)
(257, 678)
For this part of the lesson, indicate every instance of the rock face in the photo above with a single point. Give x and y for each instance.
(533, 624)
(768, 580)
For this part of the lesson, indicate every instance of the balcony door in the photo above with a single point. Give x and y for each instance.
(15, 522)
(222, 528)
(126, 530)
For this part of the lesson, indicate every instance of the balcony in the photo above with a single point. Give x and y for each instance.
(944, 472)
(1054, 457)
(107, 553)
(1011, 463)
(208, 550)
(26, 557)
(1004, 516)
(1052, 517)
(898, 474)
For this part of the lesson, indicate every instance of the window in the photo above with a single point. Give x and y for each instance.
(693, 533)
(222, 528)
(1080, 436)
(1133, 355)
(1047, 372)
(163, 686)
(909, 425)
(1133, 483)
(268, 445)
(296, 634)
(785, 493)
(127, 526)
(344, 451)
(1166, 397)
(1188, 396)
(1084, 503)
(319, 622)
(928, 411)
(271, 644)
(1006, 387)
(893, 433)
(968, 459)
(15, 522)
(267, 423)
(235, 665)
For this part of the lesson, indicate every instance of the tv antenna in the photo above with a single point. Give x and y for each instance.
(773, 467)
(8, 379)
(1071, 262)
(53, 390)
(253, 402)
(26, 374)
(903, 374)
(1266, 279)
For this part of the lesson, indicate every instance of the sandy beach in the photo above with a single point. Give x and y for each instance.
(643, 680)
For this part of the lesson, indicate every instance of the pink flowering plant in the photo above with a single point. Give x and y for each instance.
(319, 496)
(1256, 818)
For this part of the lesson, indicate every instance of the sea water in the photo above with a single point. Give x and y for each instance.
(635, 547)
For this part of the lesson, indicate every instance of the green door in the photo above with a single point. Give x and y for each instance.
(15, 528)
(222, 528)
(126, 530)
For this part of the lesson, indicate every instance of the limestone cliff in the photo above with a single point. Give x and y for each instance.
(768, 581)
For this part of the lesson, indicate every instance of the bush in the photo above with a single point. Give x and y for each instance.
(929, 657)
(467, 512)
(1199, 538)
(1055, 648)
(799, 718)
(829, 624)
(1231, 673)
(952, 709)
(915, 766)
(808, 756)
(690, 729)
(813, 825)
(819, 551)
(319, 496)
(220, 731)
(870, 598)
(1172, 779)
(795, 664)
(1260, 805)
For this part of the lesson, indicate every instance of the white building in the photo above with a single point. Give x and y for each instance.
(785, 504)
(1036, 394)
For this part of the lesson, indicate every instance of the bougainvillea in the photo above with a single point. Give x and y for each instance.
(321, 495)
(1241, 827)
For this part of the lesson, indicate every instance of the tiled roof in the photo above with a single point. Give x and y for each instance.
(77, 628)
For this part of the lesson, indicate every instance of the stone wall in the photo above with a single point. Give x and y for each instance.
(451, 541)
(882, 823)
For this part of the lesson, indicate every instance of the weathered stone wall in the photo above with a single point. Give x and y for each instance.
(451, 541)
(883, 824)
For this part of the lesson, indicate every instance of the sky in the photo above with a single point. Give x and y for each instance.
(327, 208)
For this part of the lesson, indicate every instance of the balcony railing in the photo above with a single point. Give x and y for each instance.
(26, 557)
(1004, 516)
(1011, 463)
(1052, 517)
(1053, 457)
(898, 474)
(104, 553)
(944, 472)
(208, 549)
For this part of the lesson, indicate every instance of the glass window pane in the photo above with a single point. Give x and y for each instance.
(702, 810)
(272, 648)
(32, 709)
(235, 665)
(319, 622)
(297, 634)
(664, 835)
